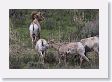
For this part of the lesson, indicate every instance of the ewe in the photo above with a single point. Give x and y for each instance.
(41, 48)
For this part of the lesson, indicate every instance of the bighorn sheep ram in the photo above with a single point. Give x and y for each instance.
(91, 43)
(41, 48)
(35, 27)
(70, 48)
(78, 49)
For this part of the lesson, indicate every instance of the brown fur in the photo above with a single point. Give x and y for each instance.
(62, 49)
(33, 14)
(37, 15)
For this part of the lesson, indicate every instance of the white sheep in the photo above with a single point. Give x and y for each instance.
(35, 27)
(91, 43)
(34, 32)
(41, 48)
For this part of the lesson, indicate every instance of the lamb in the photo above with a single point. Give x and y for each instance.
(56, 46)
(35, 27)
(91, 43)
(41, 48)
(70, 48)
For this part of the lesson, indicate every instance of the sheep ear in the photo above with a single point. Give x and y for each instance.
(34, 13)
(48, 42)
(38, 14)
(52, 40)
(34, 16)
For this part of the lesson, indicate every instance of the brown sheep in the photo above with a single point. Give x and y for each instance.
(69, 48)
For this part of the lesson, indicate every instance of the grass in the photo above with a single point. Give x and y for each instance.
(58, 25)
(22, 56)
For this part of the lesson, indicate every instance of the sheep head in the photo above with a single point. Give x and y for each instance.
(51, 42)
(37, 15)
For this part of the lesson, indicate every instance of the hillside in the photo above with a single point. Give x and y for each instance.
(61, 25)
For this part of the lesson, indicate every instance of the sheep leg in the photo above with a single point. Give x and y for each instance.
(38, 36)
(81, 59)
(96, 50)
(35, 40)
(32, 43)
(59, 59)
(42, 58)
(65, 59)
(45, 53)
(84, 57)
(32, 40)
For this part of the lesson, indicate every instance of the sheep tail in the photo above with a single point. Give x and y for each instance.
(33, 27)
(42, 43)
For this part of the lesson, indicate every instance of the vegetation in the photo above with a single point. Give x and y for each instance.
(62, 25)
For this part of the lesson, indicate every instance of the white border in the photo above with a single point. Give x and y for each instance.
(102, 72)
